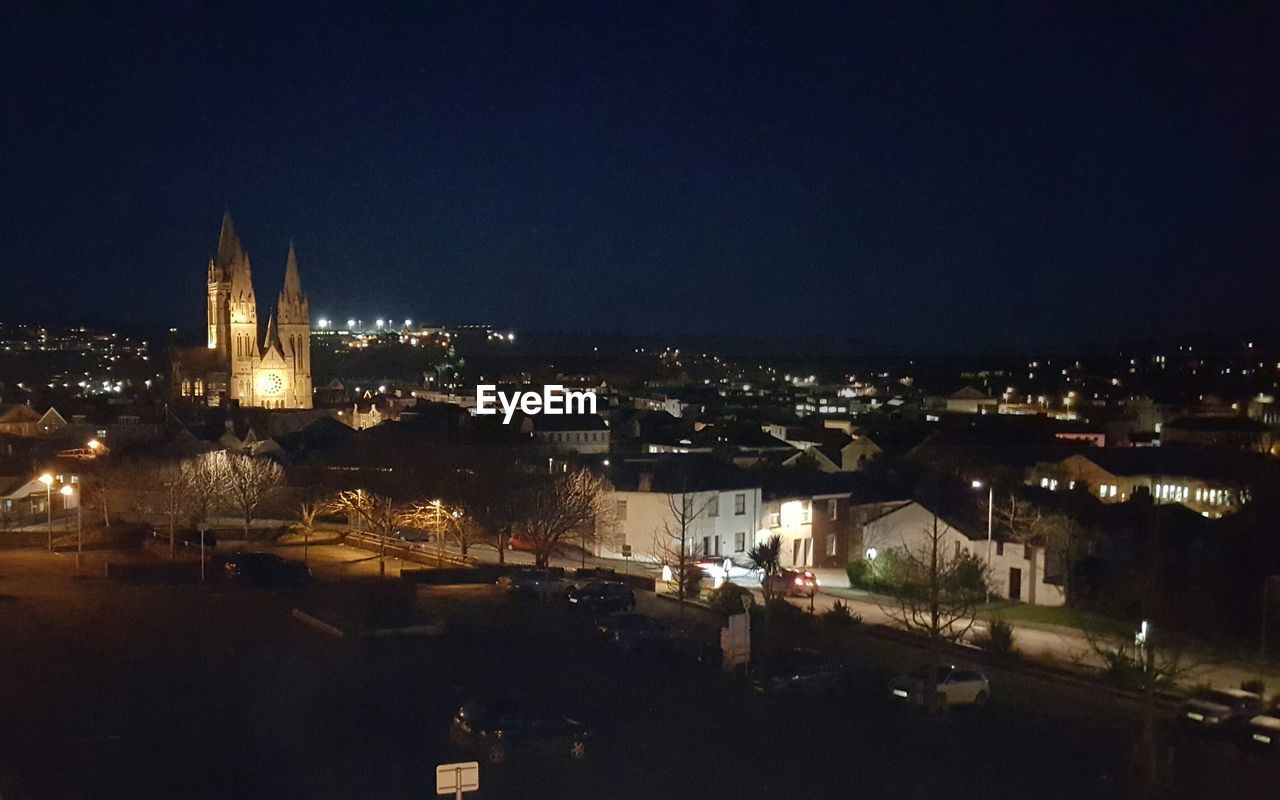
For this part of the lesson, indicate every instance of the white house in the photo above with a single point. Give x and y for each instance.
(25, 499)
(1017, 570)
(722, 522)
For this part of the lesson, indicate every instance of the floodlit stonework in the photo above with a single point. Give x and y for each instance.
(268, 369)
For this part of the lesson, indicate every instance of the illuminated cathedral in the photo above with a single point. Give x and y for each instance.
(265, 367)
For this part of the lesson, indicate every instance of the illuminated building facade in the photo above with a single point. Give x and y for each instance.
(267, 368)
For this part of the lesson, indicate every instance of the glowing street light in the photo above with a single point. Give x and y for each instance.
(351, 323)
(47, 480)
(66, 491)
(991, 502)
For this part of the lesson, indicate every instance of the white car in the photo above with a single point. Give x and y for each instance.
(958, 687)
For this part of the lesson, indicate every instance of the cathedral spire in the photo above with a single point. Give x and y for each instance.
(229, 249)
(292, 284)
(272, 339)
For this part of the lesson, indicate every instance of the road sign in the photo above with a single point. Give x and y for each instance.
(626, 551)
(457, 778)
(735, 641)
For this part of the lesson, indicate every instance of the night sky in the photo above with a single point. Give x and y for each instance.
(915, 175)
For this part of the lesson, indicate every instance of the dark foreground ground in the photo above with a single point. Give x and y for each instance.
(139, 691)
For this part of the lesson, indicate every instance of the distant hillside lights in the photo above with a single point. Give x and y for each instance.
(554, 400)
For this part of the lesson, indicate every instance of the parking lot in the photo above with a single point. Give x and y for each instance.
(118, 690)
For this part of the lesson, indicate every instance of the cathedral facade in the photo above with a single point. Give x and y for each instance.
(266, 367)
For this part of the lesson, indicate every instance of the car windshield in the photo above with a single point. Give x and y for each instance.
(922, 672)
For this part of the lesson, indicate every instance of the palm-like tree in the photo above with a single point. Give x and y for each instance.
(766, 557)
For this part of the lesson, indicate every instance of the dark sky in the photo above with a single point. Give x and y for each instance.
(918, 175)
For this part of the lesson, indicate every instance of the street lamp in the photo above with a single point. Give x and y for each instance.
(47, 480)
(66, 491)
(991, 502)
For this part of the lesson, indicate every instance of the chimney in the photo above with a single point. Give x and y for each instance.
(646, 482)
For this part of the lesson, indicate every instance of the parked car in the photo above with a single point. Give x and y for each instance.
(799, 671)
(1220, 709)
(1262, 733)
(634, 632)
(265, 569)
(532, 583)
(723, 568)
(957, 686)
(496, 732)
(791, 583)
(603, 596)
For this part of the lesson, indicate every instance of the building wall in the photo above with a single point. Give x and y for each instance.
(717, 528)
(594, 442)
(909, 528)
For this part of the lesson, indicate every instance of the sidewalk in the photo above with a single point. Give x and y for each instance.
(1059, 645)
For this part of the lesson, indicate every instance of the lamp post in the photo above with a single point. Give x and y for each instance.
(47, 480)
(991, 503)
(66, 492)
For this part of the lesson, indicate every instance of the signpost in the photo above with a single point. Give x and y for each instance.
(626, 555)
(202, 527)
(457, 778)
(735, 638)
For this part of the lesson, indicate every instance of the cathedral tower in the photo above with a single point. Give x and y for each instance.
(293, 320)
(219, 309)
(244, 330)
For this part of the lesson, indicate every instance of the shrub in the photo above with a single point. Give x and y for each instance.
(999, 638)
(1120, 668)
(858, 573)
(778, 614)
(839, 616)
(692, 580)
(727, 600)
(1256, 686)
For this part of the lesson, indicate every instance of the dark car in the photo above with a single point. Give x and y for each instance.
(532, 584)
(1220, 709)
(1262, 732)
(634, 632)
(602, 596)
(791, 583)
(498, 731)
(798, 671)
(265, 569)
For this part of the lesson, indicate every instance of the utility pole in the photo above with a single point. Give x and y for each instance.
(173, 517)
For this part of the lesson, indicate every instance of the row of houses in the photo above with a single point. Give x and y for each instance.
(823, 526)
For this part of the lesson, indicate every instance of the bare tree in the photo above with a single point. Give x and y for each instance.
(373, 513)
(938, 594)
(674, 546)
(173, 500)
(1058, 534)
(249, 482)
(306, 524)
(553, 507)
(369, 512)
(202, 477)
